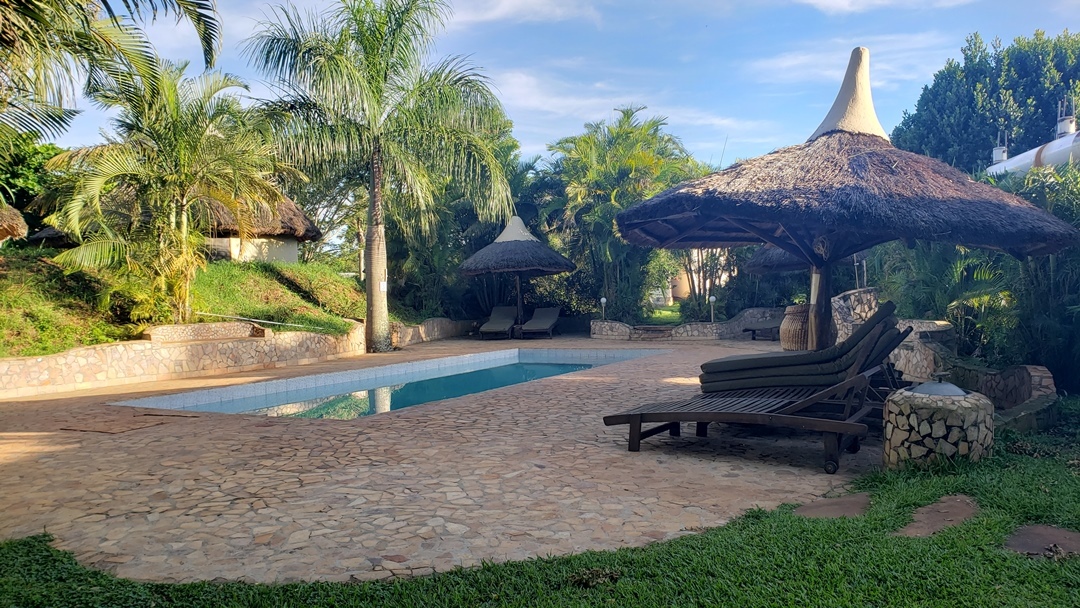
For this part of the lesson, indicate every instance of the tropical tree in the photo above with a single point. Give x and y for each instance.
(990, 94)
(358, 95)
(184, 150)
(606, 169)
(48, 46)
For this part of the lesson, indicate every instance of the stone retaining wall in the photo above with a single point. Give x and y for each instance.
(149, 360)
(204, 331)
(438, 328)
(726, 330)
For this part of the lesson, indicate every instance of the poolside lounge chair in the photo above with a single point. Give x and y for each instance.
(501, 321)
(801, 368)
(836, 410)
(542, 321)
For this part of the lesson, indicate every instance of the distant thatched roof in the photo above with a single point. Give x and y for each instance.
(290, 221)
(12, 225)
(844, 190)
(516, 250)
(773, 259)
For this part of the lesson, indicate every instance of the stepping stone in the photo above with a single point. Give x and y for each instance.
(1044, 541)
(852, 505)
(947, 511)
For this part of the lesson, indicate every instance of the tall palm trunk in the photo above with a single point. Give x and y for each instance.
(377, 323)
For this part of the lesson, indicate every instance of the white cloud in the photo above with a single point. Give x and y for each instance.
(859, 6)
(479, 11)
(894, 58)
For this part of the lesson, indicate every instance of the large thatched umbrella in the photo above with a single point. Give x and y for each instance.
(12, 225)
(517, 251)
(846, 189)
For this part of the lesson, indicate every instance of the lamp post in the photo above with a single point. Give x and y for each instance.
(712, 309)
(603, 309)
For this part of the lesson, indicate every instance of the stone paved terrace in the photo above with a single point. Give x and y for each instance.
(522, 471)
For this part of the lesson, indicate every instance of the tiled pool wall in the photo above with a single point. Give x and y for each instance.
(246, 397)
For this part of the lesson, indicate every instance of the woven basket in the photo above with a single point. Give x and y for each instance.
(795, 328)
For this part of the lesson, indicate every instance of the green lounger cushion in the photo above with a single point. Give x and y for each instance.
(543, 319)
(780, 376)
(835, 366)
(740, 362)
(502, 319)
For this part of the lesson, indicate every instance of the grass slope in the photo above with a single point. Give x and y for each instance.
(764, 558)
(315, 298)
(44, 311)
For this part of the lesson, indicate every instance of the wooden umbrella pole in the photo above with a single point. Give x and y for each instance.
(521, 309)
(820, 317)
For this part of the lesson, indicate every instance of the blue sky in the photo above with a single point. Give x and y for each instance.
(735, 78)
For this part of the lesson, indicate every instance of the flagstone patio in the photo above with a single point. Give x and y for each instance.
(518, 472)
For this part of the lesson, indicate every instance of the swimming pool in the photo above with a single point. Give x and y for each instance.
(362, 392)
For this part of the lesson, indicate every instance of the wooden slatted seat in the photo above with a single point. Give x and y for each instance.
(836, 411)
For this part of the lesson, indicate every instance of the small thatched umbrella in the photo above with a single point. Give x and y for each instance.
(846, 189)
(12, 225)
(517, 251)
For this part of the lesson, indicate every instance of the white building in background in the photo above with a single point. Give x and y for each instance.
(1064, 149)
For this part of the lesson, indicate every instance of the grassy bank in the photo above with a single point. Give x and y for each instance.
(764, 558)
(45, 311)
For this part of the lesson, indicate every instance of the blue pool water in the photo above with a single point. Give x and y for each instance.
(347, 406)
(358, 392)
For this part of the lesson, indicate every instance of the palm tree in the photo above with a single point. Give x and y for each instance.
(358, 95)
(47, 45)
(184, 151)
(606, 169)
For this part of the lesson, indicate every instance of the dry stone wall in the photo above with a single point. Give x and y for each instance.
(725, 330)
(922, 429)
(438, 328)
(149, 360)
(205, 331)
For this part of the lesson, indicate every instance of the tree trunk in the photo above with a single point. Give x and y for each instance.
(820, 318)
(377, 323)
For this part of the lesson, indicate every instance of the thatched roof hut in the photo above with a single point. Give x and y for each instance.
(846, 189)
(517, 251)
(12, 225)
(289, 221)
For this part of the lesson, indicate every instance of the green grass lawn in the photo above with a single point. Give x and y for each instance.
(665, 315)
(764, 558)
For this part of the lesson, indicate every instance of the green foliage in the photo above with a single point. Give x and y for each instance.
(23, 175)
(604, 170)
(186, 153)
(1011, 90)
(763, 558)
(44, 310)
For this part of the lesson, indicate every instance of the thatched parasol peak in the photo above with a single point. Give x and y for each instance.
(515, 231)
(853, 109)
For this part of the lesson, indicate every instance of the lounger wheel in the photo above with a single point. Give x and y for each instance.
(831, 466)
(854, 446)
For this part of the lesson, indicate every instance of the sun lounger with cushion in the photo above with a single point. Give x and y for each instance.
(770, 325)
(542, 321)
(501, 321)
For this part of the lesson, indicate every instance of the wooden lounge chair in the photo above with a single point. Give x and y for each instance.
(800, 368)
(836, 410)
(542, 321)
(501, 322)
